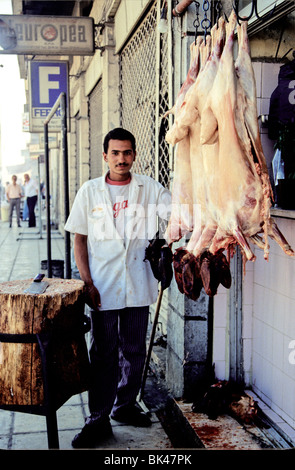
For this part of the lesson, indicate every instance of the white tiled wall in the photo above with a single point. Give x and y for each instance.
(273, 374)
(268, 301)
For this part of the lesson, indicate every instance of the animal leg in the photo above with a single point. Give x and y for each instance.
(237, 233)
(277, 235)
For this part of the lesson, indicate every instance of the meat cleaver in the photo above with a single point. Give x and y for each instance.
(37, 286)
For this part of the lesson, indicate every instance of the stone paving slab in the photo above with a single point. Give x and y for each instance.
(23, 431)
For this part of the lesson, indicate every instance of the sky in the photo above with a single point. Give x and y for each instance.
(12, 100)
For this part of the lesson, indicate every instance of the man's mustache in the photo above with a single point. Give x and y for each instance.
(122, 164)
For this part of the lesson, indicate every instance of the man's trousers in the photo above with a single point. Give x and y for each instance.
(31, 201)
(117, 357)
(14, 202)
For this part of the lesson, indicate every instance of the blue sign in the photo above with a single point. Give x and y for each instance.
(47, 81)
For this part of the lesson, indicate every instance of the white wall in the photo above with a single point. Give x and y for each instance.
(128, 14)
(273, 326)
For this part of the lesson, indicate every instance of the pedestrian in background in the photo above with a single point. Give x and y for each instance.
(14, 194)
(31, 193)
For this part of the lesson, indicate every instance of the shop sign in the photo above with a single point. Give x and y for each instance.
(43, 35)
(47, 80)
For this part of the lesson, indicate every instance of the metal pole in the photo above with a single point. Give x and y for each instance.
(44, 340)
(236, 372)
(63, 109)
(39, 197)
(61, 101)
(49, 264)
(152, 337)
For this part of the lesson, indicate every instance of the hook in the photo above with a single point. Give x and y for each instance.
(218, 8)
(205, 23)
(253, 9)
(236, 10)
(196, 22)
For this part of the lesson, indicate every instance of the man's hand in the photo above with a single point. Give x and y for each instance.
(92, 296)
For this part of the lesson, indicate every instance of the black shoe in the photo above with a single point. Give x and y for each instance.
(91, 434)
(132, 415)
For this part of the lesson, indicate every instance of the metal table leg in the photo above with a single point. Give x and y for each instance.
(49, 409)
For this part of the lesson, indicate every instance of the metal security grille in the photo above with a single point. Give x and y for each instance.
(144, 96)
(163, 146)
(95, 120)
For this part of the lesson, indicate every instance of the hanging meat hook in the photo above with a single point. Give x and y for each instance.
(254, 9)
(196, 22)
(205, 23)
(218, 8)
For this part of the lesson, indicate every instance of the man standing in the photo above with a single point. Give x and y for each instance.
(14, 194)
(31, 193)
(113, 217)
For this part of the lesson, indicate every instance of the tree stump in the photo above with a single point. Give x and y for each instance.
(58, 314)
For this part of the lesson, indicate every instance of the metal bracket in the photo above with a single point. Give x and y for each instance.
(98, 32)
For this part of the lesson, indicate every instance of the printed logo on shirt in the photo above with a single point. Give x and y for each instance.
(118, 206)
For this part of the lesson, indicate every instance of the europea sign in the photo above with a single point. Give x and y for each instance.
(43, 35)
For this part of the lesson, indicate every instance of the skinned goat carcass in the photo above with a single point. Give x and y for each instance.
(187, 126)
(181, 220)
(244, 189)
(248, 113)
(239, 191)
(229, 185)
(186, 131)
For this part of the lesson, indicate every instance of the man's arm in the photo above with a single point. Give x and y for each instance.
(81, 257)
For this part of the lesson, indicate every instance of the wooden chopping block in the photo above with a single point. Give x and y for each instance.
(58, 312)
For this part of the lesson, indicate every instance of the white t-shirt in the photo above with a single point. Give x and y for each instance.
(117, 264)
(31, 188)
(119, 192)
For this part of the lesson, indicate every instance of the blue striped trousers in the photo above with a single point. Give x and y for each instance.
(117, 356)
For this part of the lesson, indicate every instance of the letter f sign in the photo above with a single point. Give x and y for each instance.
(47, 84)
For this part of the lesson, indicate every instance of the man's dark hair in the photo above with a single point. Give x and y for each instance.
(118, 134)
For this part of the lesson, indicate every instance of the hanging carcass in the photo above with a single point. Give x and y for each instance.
(224, 179)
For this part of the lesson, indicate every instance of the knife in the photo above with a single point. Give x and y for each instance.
(37, 286)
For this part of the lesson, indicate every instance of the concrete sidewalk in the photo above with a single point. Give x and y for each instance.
(21, 252)
(23, 431)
